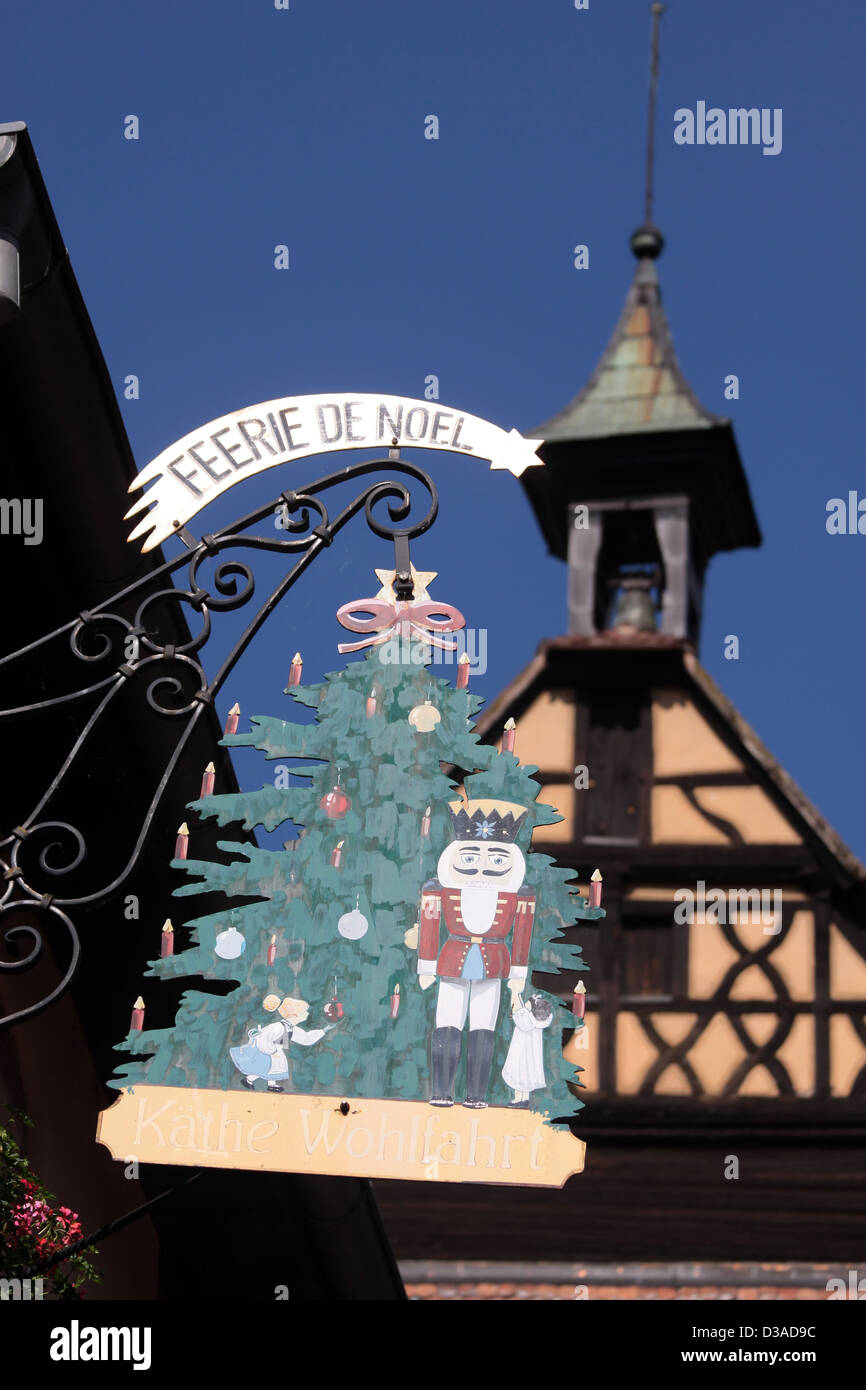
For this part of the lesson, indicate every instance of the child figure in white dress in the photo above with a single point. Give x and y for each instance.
(524, 1065)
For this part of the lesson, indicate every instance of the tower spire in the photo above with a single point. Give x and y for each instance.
(648, 241)
(657, 12)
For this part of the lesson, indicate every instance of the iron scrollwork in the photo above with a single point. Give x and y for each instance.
(41, 852)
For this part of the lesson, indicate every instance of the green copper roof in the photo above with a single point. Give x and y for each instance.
(637, 386)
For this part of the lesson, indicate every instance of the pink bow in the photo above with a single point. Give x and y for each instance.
(391, 619)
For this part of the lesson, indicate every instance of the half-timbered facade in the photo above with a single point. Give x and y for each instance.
(731, 965)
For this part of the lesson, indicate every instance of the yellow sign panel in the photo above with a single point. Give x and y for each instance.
(369, 1138)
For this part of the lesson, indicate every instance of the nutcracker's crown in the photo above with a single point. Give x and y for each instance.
(486, 820)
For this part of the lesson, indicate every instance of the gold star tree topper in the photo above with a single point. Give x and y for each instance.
(421, 579)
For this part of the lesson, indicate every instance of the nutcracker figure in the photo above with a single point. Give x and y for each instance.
(477, 903)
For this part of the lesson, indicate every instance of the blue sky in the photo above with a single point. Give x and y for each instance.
(454, 257)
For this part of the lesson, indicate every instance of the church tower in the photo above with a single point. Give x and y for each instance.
(642, 485)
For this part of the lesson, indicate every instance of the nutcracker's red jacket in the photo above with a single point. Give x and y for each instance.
(513, 910)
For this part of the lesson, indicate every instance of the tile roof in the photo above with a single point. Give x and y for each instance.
(562, 1293)
(548, 1281)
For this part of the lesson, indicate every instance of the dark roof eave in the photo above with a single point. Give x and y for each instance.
(703, 465)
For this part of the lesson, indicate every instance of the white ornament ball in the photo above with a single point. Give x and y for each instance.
(424, 717)
(230, 944)
(353, 925)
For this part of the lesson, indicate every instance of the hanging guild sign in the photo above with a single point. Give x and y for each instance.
(192, 472)
(381, 1017)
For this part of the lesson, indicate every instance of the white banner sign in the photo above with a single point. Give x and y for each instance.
(205, 463)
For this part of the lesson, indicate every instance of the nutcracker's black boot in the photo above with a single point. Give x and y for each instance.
(445, 1046)
(479, 1059)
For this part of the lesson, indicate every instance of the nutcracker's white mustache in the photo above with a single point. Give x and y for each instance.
(487, 873)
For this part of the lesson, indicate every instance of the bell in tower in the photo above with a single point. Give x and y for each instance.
(635, 609)
(629, 573)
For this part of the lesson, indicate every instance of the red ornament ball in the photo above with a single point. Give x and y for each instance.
(335, 803)
(333, 1010)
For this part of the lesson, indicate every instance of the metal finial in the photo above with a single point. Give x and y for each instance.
(657, 12)
(648, 240)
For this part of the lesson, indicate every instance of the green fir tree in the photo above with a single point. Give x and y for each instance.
(389, 772)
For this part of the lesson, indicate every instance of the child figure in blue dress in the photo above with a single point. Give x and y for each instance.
(264, 1052)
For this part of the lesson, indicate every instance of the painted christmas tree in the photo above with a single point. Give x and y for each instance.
(329, 949)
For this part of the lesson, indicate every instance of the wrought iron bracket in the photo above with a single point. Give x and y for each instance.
(39, 853)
